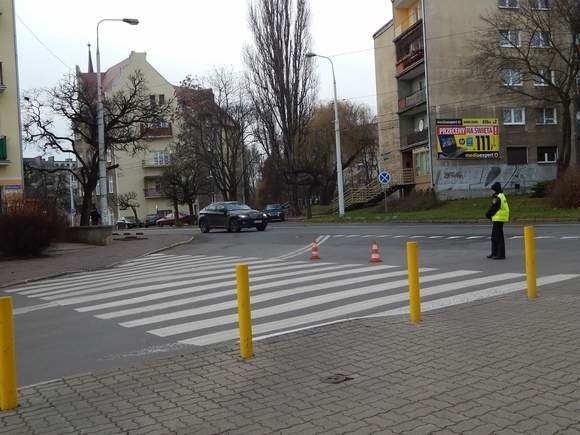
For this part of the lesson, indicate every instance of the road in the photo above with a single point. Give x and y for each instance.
(184, 299)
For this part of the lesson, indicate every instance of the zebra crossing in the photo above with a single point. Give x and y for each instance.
(192, 300)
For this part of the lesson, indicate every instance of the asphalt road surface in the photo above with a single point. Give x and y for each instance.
(184, 299)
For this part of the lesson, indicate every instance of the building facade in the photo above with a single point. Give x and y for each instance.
(141, 172)
(10, 139)
(440, 125)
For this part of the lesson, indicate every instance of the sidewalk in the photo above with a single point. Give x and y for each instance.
(77, 257)
(505, 365)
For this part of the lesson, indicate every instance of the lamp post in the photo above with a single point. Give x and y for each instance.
(337, 139)
(103, 182)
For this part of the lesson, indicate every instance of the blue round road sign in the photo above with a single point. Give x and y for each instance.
(384, 177)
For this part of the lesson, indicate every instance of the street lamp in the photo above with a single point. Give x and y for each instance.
(337, 139)
(102, 188)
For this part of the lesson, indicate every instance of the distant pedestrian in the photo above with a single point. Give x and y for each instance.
(499, 213)
(95, 216)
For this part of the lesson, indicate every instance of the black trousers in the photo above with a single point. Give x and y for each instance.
(497, 240)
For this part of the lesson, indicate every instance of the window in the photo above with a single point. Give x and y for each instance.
(540, 4)
(511, 77)
(509, 38)
(421, 162)
(152, 100)
(545, 77)
(514, 116)
(540, 40)
(547, 154)
(517, 155)
(508, 3)
(547, 115)
(111, 185)
(161, 99)
(160, 158)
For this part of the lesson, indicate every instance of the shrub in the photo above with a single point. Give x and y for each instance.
(566, 190)
(26, 228)
(417, 200)
(541, 189)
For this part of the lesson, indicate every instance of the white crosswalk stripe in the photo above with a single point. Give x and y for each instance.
(191, 299)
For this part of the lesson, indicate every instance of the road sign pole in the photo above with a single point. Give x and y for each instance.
(385, 199)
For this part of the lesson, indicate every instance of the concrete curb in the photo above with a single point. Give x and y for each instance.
(70, 272)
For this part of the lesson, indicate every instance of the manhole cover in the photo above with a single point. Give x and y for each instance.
(336, 379)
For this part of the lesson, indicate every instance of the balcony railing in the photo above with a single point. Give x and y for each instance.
(415, 138)
(412, 100)
(153, 193)
(152, 131)
(410, 60)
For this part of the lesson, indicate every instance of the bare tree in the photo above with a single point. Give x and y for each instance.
(127, 114)
(215, 123)
(184, 179)
(539, 44)
(127, 201)
(281, 78)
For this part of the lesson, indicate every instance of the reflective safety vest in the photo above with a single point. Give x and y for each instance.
(503, 214)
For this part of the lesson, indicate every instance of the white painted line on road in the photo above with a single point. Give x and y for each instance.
(398, 237)
(417, 237)
(545, 237)
(570, 237)
(352, 235)
(435, 237)
(24, 310)
(480, 294)
(368, 236)
(225, 293)
(338, 235)
(319, 240)
(476, 237)
(516, 237)
(383, 236)
(295, 321)
(454, 237)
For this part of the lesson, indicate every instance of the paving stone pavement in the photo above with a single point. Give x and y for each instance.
(505, 365)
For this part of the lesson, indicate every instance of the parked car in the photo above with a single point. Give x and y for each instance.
(151, 220)
(128, 222)
(275, 212)
(170, 220)
(231, 215)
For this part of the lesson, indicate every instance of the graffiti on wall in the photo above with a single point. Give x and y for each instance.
(481, 177)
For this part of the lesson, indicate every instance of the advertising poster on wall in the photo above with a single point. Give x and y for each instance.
(468, 138)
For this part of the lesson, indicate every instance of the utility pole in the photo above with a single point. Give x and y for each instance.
(72, 199)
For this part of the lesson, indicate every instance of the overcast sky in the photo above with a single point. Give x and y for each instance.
(190, 37)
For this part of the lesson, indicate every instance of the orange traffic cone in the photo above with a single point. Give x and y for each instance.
(314, 251)
(375, 256)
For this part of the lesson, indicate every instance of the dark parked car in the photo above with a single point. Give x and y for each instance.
(128, 222)
(170, 220)
(151, 220)
(232, 216)
(275, 212)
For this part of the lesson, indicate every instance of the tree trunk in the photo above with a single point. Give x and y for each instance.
(191, 214)
(135, 214)
(87, 204)
(176, 211)
(566, 147)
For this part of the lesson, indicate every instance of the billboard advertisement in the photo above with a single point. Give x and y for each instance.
(468, 138)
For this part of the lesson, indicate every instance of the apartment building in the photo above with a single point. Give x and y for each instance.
(440, 125)
(141, 172)
(10, 140)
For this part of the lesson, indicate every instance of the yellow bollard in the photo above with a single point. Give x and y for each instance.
(530, 250)
(244, 317)
(413, 271)
(8, 398)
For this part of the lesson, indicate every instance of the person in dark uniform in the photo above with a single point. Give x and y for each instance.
(499, 213)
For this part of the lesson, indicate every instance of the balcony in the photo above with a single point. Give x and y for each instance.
(160, 130)
(409, 24)
(3, 87)
(415, 138)
(153, 192)
(412, 100)
(409, 62)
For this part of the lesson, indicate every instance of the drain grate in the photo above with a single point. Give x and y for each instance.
(337, 378)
